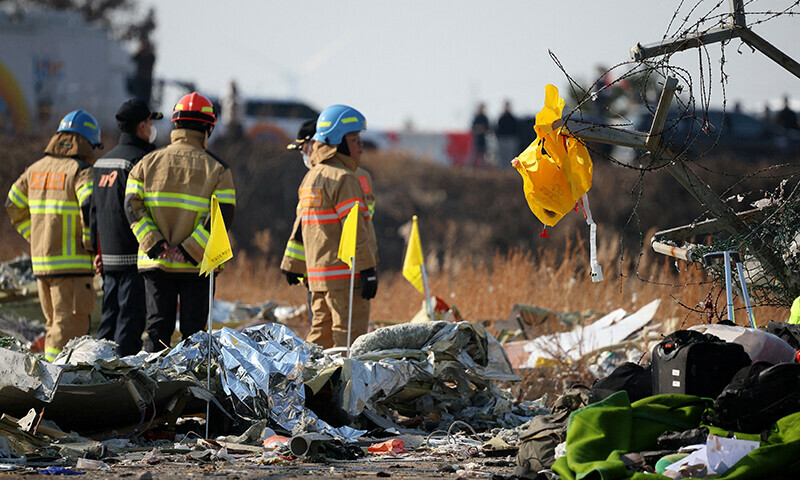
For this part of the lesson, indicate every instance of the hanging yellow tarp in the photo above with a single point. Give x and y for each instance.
(556, 168)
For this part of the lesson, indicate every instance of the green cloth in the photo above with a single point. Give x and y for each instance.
(794, 313)
(598, 434)
(778, 455)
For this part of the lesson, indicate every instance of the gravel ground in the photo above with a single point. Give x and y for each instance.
(407, 466)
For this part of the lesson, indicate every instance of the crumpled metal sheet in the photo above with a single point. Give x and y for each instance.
(87, 350)
(454, 366)
(27, 373)
(475, 348)
(261, 367)
(369, 382)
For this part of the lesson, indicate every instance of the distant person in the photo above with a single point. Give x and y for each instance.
(327, 194)
(168, 195)
(141, 84)
(508, 144)
(123, 287)
(766, 115)
(49, 205)
(480, 129)
(601, 91)
(232, 112)
(293, 264)
(787, 118)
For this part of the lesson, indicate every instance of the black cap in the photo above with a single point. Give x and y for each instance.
(307, 130)
(134, 111)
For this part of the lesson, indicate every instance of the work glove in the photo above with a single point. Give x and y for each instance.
(157, 249)
(369, 283)
(292, 278)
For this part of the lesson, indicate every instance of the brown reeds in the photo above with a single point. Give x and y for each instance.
(555, 278)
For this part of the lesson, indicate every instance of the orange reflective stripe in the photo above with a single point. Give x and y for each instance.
(344, 207)
(319, 216)
(337, 272)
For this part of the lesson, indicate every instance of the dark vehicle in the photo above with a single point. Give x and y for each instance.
(732, 133)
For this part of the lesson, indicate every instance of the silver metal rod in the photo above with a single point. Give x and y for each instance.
(737, 13)
(728, 286)
(427, 292)
(208, 359)
(754, 40)
(660, 119)
(678, 44)
(745, 295)
(350, 310)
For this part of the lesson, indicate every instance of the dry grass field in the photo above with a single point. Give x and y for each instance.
(487, 291)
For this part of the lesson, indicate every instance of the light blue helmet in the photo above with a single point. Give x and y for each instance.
(336, 121)
(83, 124)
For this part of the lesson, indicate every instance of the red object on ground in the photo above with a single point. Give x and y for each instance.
(276, 441)
(38, 345)
(392, 446)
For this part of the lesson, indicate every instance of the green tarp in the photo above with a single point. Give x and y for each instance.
(599, 433)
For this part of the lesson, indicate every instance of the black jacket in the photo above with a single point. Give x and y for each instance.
(109, 225)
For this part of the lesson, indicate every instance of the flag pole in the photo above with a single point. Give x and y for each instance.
(350, 310)
(208, 361)
(427, 291)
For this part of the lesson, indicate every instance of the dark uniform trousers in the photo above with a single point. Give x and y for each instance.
(163, 291)
(123, 310)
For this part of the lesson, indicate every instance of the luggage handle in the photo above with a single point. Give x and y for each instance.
(727, 255)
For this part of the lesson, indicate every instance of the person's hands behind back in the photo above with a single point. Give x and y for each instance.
(292, 278)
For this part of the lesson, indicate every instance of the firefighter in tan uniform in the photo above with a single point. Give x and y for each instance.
(49, 205)
(167, 201)
(293, 264)
(328, 192)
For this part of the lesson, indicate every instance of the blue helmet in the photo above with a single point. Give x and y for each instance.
(83, 124)
(336, 121)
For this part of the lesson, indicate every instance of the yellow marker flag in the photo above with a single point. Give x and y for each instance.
(218, 248)
(347, 244)
(412, 265)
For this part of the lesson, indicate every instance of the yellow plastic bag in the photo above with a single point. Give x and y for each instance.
(556, 168)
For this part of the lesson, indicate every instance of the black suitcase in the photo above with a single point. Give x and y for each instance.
(695, 363)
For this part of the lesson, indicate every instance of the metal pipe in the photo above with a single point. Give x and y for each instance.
(672, 251)
(307, 444)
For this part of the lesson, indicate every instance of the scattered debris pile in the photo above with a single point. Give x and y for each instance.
(276, 399)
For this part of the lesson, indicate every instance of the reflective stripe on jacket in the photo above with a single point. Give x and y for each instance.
(168, 196)
(49, 206)
(294, 256)
(327, 193)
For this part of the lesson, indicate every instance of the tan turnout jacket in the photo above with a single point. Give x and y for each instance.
(327, 193)
(294, 257)
(168, 196)
(49, 206)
